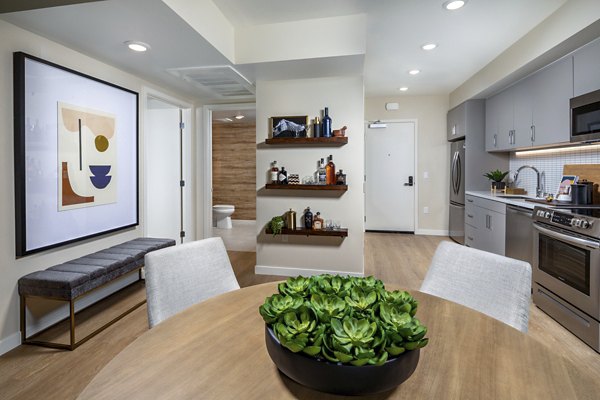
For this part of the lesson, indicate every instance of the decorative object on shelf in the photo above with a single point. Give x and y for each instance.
(340, 132)
(564, 189)
(496, 177)
(318, 222)
(274, 172)
(330, 171)
(282, 177)
(322, 173)
(289, 127)
(317, 128)
(308, 180)
(340, 178)
(343, 335)
(308, 218)
(293, 179)
(290, 219)
(326, 123)
(276, 224)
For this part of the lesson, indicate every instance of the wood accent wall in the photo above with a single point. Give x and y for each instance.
(234, 167)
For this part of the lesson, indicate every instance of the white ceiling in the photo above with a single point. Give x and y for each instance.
(468, 39)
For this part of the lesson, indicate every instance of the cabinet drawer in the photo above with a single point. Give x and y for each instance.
(470, 235)
(491, 205)
(474, 215)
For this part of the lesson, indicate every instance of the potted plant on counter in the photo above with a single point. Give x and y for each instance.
(496, 177)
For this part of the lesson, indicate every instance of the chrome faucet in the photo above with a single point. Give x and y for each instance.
(538, 187)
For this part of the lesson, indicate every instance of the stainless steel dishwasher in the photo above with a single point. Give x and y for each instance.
(519, 233)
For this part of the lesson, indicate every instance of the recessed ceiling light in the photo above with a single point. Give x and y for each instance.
(137, 46)
(429, 46)
(454, 4)
(227, 119)
(403, 89)
(239, 116)
(414, 71)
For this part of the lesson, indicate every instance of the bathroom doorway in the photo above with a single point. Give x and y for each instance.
(232, 196)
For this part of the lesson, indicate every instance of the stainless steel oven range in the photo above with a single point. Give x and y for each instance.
(566, 268)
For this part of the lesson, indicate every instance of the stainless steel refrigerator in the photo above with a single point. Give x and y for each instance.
(456, 225)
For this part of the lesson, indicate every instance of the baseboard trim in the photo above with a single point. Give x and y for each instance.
(431, 232)
(10, 342)
(289, 271)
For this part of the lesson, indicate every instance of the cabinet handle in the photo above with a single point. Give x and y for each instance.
(510, 137)
(495, 140)
(453, 129)
(470, 200)
(533, 133)
(469, 215)
(490, 223)
(470, 238)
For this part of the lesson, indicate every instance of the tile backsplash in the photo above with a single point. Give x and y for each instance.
(550, 164)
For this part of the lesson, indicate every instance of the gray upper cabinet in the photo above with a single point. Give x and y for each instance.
(533, 112)
(586, 68)
(457, 122)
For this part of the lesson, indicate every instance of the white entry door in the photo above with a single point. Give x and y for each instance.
(390, 177)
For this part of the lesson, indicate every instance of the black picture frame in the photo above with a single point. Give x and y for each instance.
(297, 119)
(44, 93)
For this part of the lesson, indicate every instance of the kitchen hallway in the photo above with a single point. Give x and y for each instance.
(34, 372)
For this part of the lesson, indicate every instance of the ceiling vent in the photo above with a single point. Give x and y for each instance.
(224, 81)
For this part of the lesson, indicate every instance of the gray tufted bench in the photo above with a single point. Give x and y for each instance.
(75, 278)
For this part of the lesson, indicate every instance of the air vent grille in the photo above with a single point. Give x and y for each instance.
(223, 81)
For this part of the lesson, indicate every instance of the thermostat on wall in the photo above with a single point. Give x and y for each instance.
(392, 106)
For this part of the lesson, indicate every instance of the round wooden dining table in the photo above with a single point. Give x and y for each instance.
(216, 350)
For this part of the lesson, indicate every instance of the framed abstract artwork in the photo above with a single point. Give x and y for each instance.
(76, 155)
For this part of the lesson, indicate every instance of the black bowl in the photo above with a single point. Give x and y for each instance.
(337, 378)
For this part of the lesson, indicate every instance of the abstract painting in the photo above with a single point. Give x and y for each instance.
(87, 153)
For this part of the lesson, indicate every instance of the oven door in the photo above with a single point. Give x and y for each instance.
(568, 265)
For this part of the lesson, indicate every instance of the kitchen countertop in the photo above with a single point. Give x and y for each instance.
(512, 199)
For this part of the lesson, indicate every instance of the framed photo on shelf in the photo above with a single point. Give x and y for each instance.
(76, 155)
(290, 126)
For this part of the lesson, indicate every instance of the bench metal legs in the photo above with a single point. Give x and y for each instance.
(73, 344)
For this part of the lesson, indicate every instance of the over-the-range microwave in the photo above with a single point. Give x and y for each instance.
(585, 117)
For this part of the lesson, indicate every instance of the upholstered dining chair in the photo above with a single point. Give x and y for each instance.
(181, 276)
(497, 286)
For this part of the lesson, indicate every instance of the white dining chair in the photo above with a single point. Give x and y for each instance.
(181, 276)
(497, 286)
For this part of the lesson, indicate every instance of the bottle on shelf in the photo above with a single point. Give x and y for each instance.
(290, 219)
(317, 222)
(326, 130)
(330, 172)
(340, 178)
(308, 218)
(322, 173)
(274, 172)
(317, 128)
(282, 177)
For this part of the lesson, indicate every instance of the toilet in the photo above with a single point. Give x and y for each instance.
(222, 215)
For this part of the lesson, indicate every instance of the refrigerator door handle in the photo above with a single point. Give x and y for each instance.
(453, 172)
(459, 172)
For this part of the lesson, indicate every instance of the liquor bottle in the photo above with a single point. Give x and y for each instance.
(322, 173)
(326, 123)
(330, 172)
(274, 172)
(317, 222)
(317, 128)
(308, 218)
(340, 178)
(282, 177)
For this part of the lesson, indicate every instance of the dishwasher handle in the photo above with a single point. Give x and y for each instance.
(520, 210)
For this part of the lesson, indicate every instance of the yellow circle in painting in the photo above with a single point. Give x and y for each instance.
(101, 143)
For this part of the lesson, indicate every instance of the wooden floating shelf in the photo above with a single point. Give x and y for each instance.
(341, 188)
(342, 232)
(335, 140)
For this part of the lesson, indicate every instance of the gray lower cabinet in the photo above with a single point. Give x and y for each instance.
(485, 224)
(533, 112)
(586, 62)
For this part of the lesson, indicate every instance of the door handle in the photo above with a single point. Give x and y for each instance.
(410, 181)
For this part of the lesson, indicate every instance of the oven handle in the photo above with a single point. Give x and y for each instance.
(566, 238)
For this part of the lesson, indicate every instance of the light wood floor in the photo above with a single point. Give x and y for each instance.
(30, 372)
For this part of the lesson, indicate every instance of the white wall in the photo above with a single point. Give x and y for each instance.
(308, 255)
(432, 153)
(16, 39)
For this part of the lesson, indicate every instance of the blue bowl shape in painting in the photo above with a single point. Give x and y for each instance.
(100, 180)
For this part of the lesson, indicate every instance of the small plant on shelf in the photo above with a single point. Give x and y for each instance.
(276, 225)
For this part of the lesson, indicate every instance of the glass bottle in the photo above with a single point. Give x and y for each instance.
(308, 218)
(326, 124)
(274, 172)
(322, 173)
(317, 128)
(282, 177)
(317, 222)
(330, 171)
(340, 178)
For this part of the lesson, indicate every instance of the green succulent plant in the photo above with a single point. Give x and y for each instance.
(496, 175)
(346, 320)
(276, 225)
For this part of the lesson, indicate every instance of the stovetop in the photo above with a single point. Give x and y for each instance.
(578, 218)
